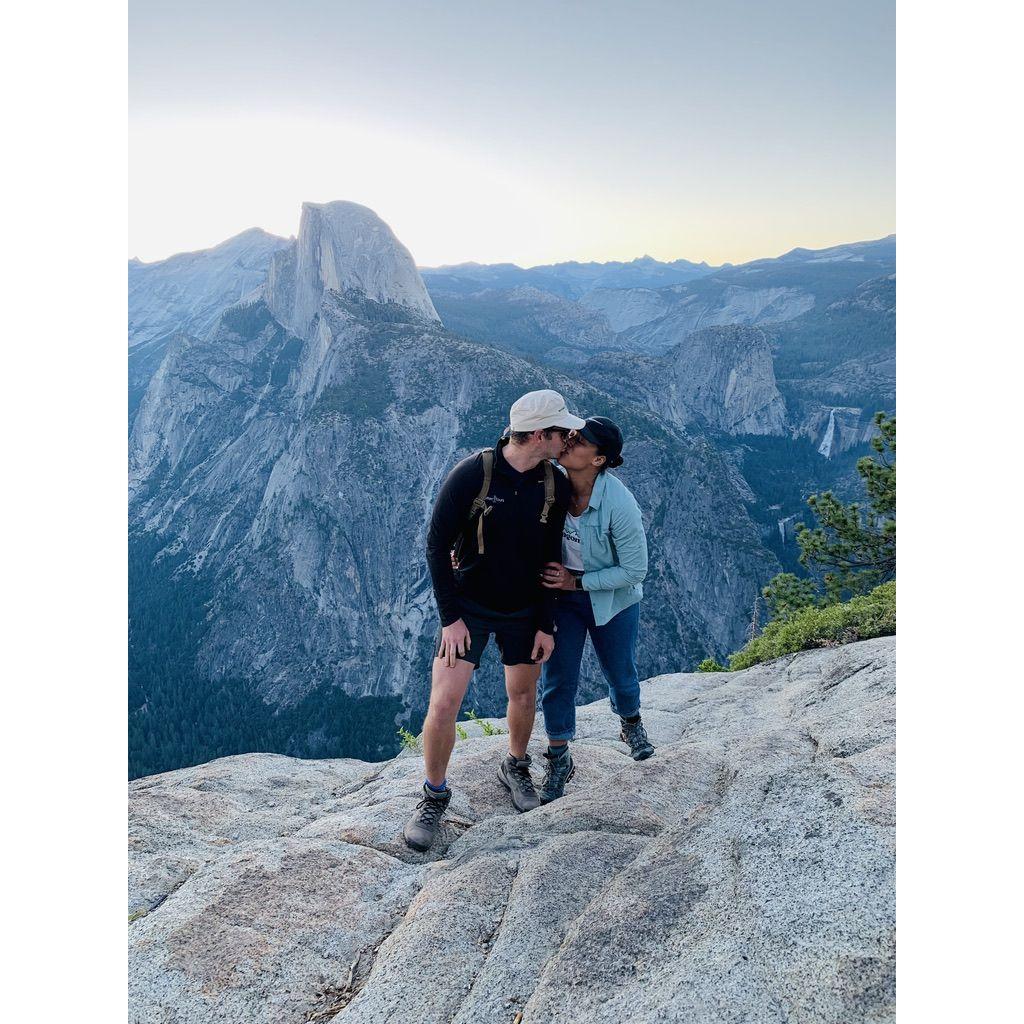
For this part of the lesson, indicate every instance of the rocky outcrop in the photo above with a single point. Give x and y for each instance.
(711, 303)
(626, 307)
(188, 292)
(720, 379)
(744, 873)
(836, 429)
(342, 247)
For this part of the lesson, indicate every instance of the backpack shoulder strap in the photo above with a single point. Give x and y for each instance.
(480, 508)
(549, 490)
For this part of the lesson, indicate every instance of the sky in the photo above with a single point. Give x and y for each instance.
(528, 132)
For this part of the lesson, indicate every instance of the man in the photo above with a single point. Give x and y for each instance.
(503, 511)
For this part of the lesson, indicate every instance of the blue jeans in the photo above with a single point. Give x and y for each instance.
(615, 644)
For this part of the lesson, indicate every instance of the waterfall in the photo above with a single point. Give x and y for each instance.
(829, 438)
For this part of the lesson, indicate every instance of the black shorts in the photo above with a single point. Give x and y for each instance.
(514, 633)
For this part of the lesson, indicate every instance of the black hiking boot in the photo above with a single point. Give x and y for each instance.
(514, 775)
(557, 772)
(635, 735)
(422, 827)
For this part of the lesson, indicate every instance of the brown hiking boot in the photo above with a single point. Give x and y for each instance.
(422, 828)
(514, 775)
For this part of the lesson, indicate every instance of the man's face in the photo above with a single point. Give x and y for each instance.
(554, 441)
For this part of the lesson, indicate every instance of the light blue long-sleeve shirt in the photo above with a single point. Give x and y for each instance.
(614, 548)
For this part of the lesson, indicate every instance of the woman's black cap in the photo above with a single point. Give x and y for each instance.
(606, 435)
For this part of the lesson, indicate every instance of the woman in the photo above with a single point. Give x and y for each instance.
(604, 561)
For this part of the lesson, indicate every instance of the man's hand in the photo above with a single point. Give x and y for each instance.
(543, 645)
(555, 576)
(455, 641)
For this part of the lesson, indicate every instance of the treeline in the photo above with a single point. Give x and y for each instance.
(179, 718)
(190, 720)
(822, 339)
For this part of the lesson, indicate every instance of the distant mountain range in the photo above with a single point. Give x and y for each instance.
(295, 403)
(569, 280)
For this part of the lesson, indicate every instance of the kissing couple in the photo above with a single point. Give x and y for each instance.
(537, 556)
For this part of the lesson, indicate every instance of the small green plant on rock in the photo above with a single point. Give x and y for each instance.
(460, 731)
(710, 665)
(488, 727)
(408, 741)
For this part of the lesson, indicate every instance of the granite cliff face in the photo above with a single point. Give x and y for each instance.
(626, 307)
(342, 247)
(719, 378)
(744, 873)
(282, 469)
(189, 291)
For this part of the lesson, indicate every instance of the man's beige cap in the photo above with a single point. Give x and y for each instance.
(538, 410)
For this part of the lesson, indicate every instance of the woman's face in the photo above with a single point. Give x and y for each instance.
(578, 453)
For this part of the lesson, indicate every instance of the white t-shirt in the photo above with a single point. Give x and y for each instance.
(572, 555)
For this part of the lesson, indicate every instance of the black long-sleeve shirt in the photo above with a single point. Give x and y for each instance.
(516, 544)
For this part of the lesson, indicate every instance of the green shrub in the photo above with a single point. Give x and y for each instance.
(488, 728)
(786, 595)
(408, 741)
(861, 618)
(710, 665)
(461, 732)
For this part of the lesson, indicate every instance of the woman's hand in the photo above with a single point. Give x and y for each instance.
(555, 576)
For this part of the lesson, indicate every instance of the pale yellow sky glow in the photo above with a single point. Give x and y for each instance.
(202, 178)
(494, 134)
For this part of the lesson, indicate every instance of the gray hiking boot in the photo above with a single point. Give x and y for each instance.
(514, 775)
(423, 826)
(558, 771)
(635, 735)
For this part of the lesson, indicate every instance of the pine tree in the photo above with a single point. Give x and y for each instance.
(855, 545)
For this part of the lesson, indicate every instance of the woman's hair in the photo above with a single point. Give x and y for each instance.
(610, 462)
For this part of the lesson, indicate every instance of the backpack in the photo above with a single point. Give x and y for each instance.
(479, 509)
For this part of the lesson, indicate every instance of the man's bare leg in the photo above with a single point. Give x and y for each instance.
(521, 687)
(447, 689)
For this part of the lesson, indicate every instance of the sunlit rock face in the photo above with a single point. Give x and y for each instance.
(343, 247)
(626, 307)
